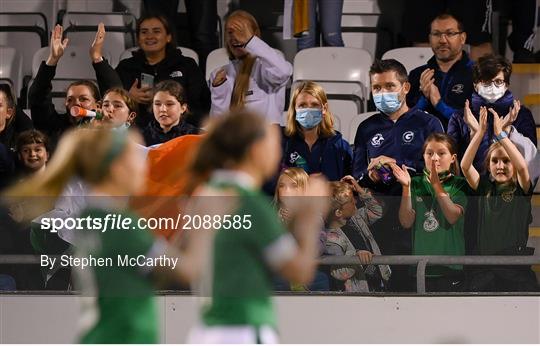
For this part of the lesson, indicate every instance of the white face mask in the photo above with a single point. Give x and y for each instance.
(491, 93)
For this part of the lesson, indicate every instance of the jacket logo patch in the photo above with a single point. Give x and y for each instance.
(458, 89)
(294, 157)
(377, 140)
(176, 74)
(408, 137)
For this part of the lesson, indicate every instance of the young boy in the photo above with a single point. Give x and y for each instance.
(32, 151)
(347, 221)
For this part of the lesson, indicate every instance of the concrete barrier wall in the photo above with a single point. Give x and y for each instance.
(309, 319)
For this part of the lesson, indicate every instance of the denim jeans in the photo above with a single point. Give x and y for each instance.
(330, 12)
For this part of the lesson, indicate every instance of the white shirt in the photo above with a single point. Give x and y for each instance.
(269, 76)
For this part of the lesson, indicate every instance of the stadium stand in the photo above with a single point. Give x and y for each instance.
(75, 63)
(532, 101)
(11, 68)
(26, 32)
(410, 57)
(359, 24)
(80, 28)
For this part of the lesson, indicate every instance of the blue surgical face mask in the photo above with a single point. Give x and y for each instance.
(387, 103)
(308, 118)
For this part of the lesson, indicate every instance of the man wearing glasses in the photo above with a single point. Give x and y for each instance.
(442, 85)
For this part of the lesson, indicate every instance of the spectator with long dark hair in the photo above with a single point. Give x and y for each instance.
(170, 112)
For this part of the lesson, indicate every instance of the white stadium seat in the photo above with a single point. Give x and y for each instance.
(342, 72)
(74, 64)
(216, 58)
(355, 122)
(81, 28)
(11, 64)
(410, 57)
(26, 32)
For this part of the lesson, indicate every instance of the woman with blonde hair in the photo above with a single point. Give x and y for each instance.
(255, 77)
(310, 140)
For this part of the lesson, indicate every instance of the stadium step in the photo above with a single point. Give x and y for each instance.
(532, 101)
(525, 80)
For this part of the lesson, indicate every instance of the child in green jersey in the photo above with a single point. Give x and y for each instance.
(122, 308)
(433, 205)
(504, 208)
(239, 153)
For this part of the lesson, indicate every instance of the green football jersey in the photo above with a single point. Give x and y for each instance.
(240, 280)
(432, 233)
(124, 300)
(505, 215)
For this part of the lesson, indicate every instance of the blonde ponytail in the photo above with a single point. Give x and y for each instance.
(241, 83)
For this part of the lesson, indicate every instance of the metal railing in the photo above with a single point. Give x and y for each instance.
(421, 262)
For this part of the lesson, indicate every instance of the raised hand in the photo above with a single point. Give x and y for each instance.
(350, 180)
(509, 119)
(241, 31)
(497, 122)
(402, 174)
(97, 46)
(469, 119)
(57, 45)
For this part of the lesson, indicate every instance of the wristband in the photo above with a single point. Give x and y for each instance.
(501, 136)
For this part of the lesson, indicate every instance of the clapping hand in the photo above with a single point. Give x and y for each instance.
(426, 81)
(509, 119)
(402, 174)
(433, 175)
(497, 122)
(469, 119)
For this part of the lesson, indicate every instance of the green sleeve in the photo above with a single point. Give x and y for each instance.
(268, 235)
